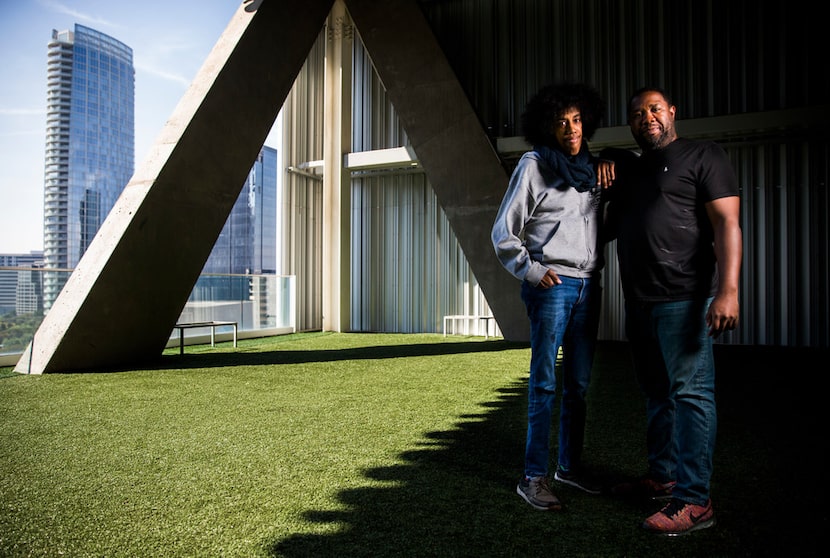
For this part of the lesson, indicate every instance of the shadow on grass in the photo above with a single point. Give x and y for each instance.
(455, 493)
(241, 358)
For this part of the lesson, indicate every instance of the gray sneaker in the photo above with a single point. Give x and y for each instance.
(536, 492)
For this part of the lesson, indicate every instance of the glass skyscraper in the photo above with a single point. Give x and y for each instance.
(90, 143)
(247, 243)
(263, 181)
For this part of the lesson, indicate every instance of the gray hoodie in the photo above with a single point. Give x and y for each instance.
(545, 224)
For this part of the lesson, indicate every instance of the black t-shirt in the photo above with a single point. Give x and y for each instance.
(664, 236)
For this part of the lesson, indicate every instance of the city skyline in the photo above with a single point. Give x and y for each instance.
(170, 42)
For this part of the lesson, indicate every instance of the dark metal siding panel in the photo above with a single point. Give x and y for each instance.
(716, 57)
(785, 209)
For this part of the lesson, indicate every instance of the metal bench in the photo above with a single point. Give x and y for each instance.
(212, 325)
(452, 320)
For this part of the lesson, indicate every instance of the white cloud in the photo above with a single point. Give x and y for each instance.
(85, 18)
(161, 73)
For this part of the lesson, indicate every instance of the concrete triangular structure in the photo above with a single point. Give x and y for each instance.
(121, 302)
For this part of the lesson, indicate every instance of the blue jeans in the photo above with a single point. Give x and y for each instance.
(567, 316)
(675, 368)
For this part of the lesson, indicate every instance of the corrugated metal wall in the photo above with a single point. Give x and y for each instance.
(302, 189)
(408, 270)
(786, 239)
(717, 58)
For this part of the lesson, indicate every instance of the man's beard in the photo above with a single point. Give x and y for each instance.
(649, 142)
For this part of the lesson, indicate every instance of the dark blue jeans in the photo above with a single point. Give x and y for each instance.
(675, 368)
(567, 316)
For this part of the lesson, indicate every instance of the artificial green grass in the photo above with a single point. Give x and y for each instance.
(330, 444)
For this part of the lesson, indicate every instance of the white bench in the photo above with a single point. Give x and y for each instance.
(212, 325)
(453, 320)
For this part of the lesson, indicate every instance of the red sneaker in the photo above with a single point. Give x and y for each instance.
(679, 518)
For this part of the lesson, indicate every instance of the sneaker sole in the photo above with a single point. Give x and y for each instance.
(556, 477)
(552, 507)
(697, 527)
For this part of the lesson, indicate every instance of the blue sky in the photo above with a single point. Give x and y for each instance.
(170, 40)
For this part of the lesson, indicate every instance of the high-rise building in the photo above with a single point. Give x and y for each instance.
(28, 295)
(90, 143)
(247, 243)
(263, 186)
(20, 290)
